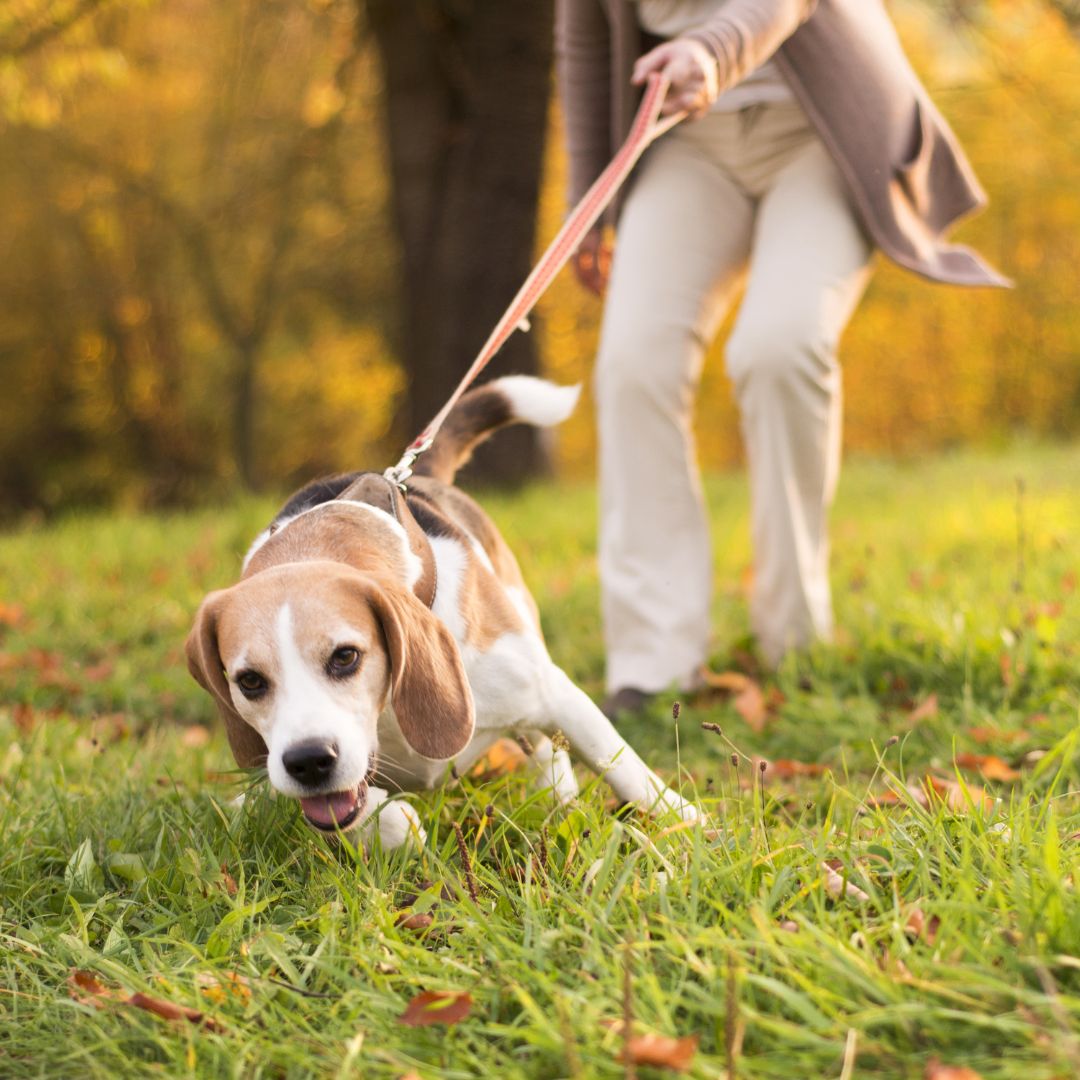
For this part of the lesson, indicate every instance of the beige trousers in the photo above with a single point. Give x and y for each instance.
(755, 193)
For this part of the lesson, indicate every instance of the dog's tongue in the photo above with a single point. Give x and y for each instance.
(329, 810)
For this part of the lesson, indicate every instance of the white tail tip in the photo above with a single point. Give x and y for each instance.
(537, 401)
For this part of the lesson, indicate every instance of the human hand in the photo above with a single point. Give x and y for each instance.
(691, 71)
(592, 261)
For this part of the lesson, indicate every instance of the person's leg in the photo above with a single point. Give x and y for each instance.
(683, 240)
(809, 267)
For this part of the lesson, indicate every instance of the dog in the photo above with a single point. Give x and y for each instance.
(381, 639)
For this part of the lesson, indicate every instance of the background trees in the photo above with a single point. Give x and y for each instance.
(243, 243)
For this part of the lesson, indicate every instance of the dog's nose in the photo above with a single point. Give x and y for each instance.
(311, 762)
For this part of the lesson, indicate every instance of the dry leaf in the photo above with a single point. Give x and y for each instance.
(436, 1007)
(660, 1051)
(731, 681)
(957, 796)
(935, 1070)
(195, 736)
(991, 766)
(420, 921)
(925, 710)
(836, 887)
(988, 736)
(228, 881)
(505, 756)
(85, 987)
(919, 926)
(11, 614)
(784, 769)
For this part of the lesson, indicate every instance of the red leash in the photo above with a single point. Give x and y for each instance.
(646, 128)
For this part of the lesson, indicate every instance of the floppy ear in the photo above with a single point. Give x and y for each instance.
(204, 663)
(428, 688)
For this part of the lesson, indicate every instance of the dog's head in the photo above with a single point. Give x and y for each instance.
(302, 658)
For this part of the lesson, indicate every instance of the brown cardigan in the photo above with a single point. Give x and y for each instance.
(906, 174)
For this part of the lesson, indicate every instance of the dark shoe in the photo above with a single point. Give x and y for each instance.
(627, 700)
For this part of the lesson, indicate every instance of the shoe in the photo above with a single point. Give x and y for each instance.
(626, 700)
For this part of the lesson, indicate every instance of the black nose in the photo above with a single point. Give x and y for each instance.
(310, 762)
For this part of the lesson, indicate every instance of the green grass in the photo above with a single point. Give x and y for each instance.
(121, 856)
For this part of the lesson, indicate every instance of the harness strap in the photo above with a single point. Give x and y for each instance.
(647, 127)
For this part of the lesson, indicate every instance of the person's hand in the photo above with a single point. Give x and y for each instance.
(592, 261)
(691, 69)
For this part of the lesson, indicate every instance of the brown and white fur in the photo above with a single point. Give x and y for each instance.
(375, 637)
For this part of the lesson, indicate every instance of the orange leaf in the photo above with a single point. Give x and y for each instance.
(87, 989)
(195, 736)
(988, 736)
(228, 881)
(991, 767)
(935, 1070)
(11, 614)
(732, 681)
(504, 756)
(956, 796)
(919, 926)
(925, 710)
(660, 1051)
(784, 769)
(420, 921)
(436, 1007)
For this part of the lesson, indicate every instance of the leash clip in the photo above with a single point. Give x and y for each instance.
(399, 473)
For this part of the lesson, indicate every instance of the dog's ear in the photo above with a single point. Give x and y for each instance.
(428, 688)
(204, 663)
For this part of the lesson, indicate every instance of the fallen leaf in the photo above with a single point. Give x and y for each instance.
(935, 1070)
(436, 1007)
(919, 926)
(988, 736)
(504, 756)
(660, 1051)
(11, 614)
(86, 988)
(228, 881)
(957, 796)
(195, 736)
(783, 769)
(991, 766)
(925, 710)
(836, 887)
(732, 681)
(169, 1010)
(420, 921)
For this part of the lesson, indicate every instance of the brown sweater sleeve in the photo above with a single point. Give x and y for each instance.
(583, 51)
(743, 34)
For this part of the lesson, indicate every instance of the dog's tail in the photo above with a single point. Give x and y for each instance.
(513, 399)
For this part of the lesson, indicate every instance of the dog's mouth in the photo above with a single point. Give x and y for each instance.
(338, 810)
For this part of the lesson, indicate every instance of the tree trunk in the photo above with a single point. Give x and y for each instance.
(466, 94)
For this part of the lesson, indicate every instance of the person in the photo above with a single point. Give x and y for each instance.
(810, 143)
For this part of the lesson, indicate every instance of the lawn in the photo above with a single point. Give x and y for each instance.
(894, 894)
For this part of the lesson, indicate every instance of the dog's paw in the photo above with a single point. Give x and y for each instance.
(398, 824)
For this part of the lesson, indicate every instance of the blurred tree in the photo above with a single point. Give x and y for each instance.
(467, 86)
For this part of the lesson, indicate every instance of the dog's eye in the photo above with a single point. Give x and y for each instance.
(343, 661)
(252, 684)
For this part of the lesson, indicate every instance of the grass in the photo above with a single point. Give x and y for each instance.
(956, 592)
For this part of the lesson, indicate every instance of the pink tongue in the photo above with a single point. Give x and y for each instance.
(329, 810)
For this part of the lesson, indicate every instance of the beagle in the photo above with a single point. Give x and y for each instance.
(376, 637)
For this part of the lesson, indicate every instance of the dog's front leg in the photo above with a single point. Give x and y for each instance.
(395, 819)
(554, 767)
(595, 741)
